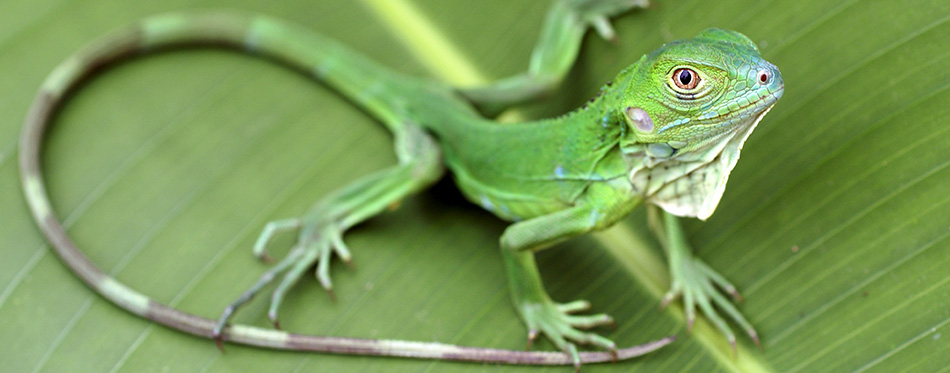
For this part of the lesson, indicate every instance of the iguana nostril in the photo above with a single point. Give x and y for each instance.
(764, 76)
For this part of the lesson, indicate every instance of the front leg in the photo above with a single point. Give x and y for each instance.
(539, 312)
(694, 280)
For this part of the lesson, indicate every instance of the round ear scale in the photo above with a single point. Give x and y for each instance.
(640, 119)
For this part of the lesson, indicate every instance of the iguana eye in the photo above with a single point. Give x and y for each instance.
(685, 78)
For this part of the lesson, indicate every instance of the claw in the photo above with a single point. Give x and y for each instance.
(532, 335)
(393, 206)
(336, 241)
(263, 257)
(218, 341)
(323, 269)
(572, 351)
(563, 329)
(272, 316)
(666, 300)
(319, 238)
(699, 290)
(217, 334)
(309, 249)
(735, 350)
(755, 338)
(735, 294)
(701, 287)
(349, 263)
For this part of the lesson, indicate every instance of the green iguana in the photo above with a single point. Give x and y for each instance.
(666, 131)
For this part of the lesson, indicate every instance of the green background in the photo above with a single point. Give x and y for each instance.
(835, 225)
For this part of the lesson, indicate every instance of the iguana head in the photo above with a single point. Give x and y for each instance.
(689, 107)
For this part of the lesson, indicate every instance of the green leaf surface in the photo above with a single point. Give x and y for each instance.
(835, 225)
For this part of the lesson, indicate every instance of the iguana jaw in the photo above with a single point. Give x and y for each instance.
(691, 184)
(719, 125)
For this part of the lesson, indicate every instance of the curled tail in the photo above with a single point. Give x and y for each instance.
(328, 61)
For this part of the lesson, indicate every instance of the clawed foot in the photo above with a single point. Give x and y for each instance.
(694, 281)
(317, 243)
(559, 324)
(597, 13)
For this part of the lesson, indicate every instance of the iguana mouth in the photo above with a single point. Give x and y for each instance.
(769, 99)
(734, 120)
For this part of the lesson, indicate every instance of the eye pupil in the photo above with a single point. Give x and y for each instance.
(763, 77)
(685, 77)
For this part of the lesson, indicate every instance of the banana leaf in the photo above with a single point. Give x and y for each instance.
(835, 225)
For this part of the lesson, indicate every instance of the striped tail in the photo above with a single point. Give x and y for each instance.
(356, 77)
(361, 80)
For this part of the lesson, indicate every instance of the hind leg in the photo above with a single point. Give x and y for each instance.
(321, 230)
